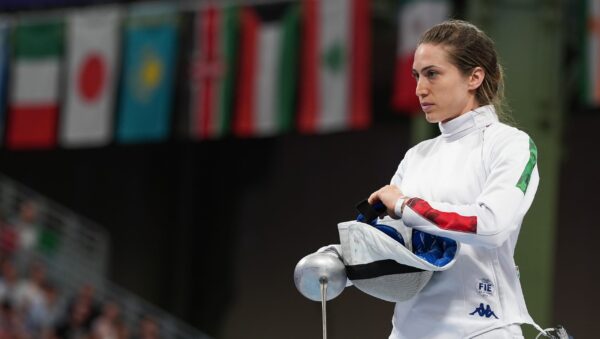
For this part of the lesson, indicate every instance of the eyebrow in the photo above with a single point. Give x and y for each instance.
(423, 69)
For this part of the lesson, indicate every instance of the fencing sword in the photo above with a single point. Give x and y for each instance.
(321, 277)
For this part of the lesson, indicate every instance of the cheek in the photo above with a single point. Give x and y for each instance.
(447, 93)
(457, 94)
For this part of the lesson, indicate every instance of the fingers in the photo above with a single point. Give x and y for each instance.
(378, 195)
(374, 197)
(388, 195)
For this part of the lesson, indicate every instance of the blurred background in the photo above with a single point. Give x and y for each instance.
(164, 165)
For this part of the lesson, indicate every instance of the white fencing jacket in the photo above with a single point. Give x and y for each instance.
(473, 183)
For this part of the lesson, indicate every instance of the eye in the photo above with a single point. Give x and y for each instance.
(415, 75)
(431, 74)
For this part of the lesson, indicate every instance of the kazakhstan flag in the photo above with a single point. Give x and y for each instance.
(148, 75)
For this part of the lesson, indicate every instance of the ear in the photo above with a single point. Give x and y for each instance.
(476, 78)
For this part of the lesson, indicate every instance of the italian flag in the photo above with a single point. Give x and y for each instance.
(334, 93)
(35, 78)
(414, 18)
(213, 61)
(92, 59)
(266, 92)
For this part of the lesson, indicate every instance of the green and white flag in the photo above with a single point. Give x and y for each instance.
(266, 87)
(93, 38)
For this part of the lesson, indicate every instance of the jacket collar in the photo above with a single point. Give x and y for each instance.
(468, 122)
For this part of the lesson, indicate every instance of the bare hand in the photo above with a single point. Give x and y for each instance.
(388, 195)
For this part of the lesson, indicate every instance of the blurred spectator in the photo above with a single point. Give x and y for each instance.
(148, 329)
(109, 325)
(32, 307)
(45, 316)
(86, 295)
(9, 282)
(11, 326)
(41, 302)
(26, 224)
(74, 327)
(29, 290)
(122, 329)
(8, 239)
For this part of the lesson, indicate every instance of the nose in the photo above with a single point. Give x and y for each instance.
(421, 90)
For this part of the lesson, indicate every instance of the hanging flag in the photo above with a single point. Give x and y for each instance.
(213, 73)
(3, 71)
(335, 91)
(148, 72)
(591, 75)
(266, 87)
(35, 79)
(92, 55)
(414, 18)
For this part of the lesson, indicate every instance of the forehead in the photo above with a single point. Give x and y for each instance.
(430, 55)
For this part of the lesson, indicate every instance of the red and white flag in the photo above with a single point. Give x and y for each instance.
(93, 38)
(414, 18)
(335, 82)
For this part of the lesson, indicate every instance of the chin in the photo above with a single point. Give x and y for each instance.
(431, 118)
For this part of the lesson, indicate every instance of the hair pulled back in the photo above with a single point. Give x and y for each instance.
(469, 47)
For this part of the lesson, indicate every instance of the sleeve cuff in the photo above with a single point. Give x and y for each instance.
(398, 207)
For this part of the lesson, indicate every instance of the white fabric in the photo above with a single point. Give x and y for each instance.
(363, 244)
(35, 81)
(508, 332)
(471, 169)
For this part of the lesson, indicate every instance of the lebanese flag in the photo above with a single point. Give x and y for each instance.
(266, 92)
(414, 18)
(92, 55)
(213, 73)
(35, 80)
(335, 91)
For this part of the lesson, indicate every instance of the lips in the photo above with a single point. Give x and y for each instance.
(426, 106)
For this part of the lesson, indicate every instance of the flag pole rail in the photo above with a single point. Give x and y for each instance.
(59, 13)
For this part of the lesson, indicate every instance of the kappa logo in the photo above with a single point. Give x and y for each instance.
(484, 311)
(485, 287)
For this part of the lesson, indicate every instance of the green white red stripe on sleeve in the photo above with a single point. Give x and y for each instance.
(450, 221)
